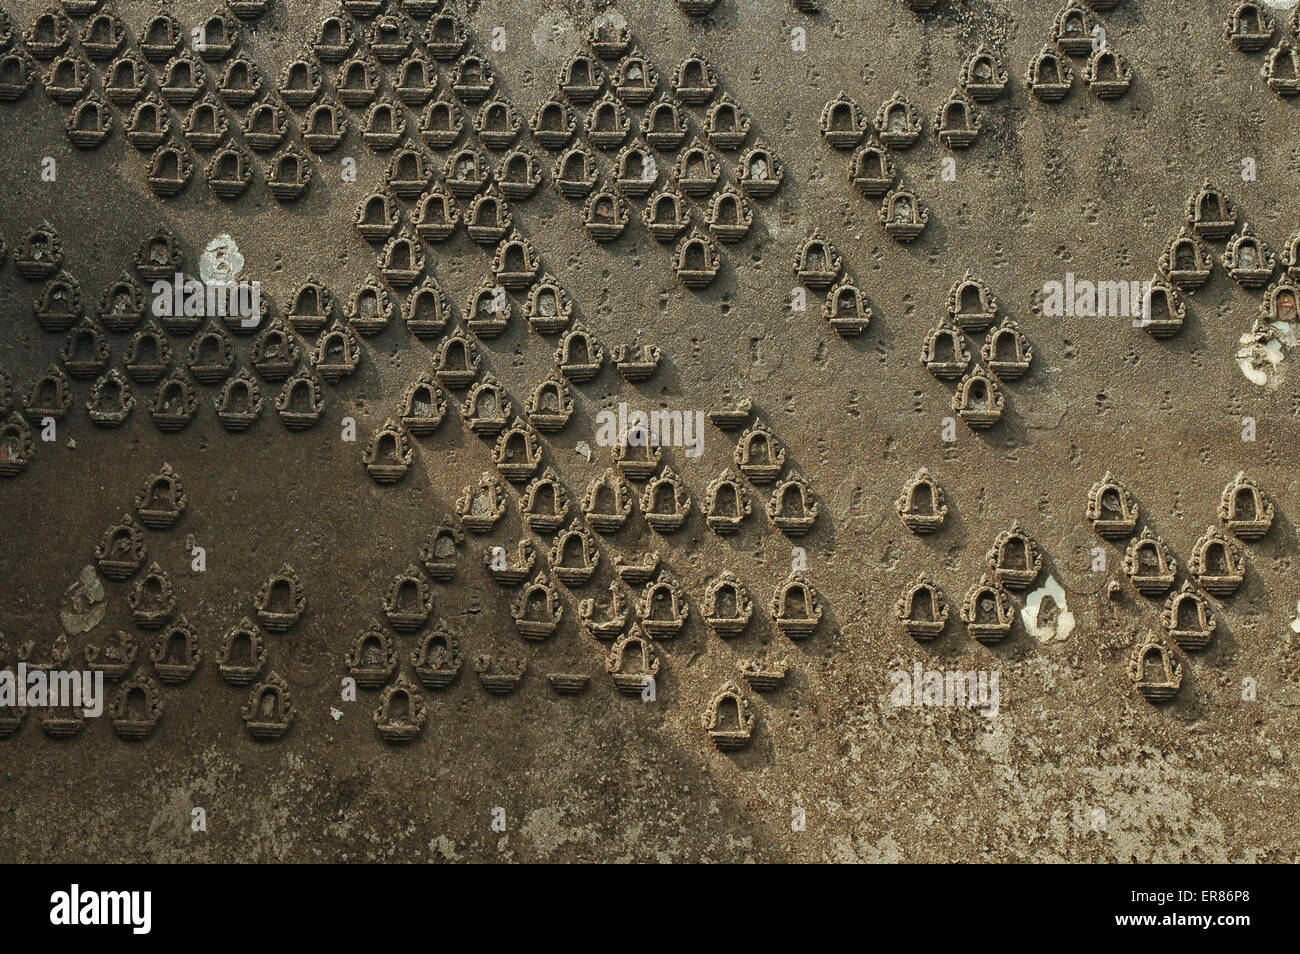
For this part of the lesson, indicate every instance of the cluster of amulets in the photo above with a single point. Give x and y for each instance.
(617, 131)
(424, 97)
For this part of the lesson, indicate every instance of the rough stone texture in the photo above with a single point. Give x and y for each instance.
(1084, 186)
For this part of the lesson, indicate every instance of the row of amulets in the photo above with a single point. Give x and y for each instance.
(1250, 28)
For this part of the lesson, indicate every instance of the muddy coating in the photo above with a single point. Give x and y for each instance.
(1028, 521)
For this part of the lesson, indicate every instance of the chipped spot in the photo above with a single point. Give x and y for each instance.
(611, 20)
(1046, 615)
(221, 260)
(83, 602)
(1285, 332)
(1260, 358)
(556, 36)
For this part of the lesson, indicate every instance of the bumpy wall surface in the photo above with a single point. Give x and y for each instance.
(961, 339)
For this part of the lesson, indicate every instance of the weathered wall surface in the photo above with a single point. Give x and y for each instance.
(1075, 765)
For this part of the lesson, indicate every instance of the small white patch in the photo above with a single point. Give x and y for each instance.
(221, 260)
(336, 713)
(83, 602)
(1286, 332)
(1259, 360)
(584, 449)
(1295, 623)
(556, 36)
(1052, 629)
(610, 19)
